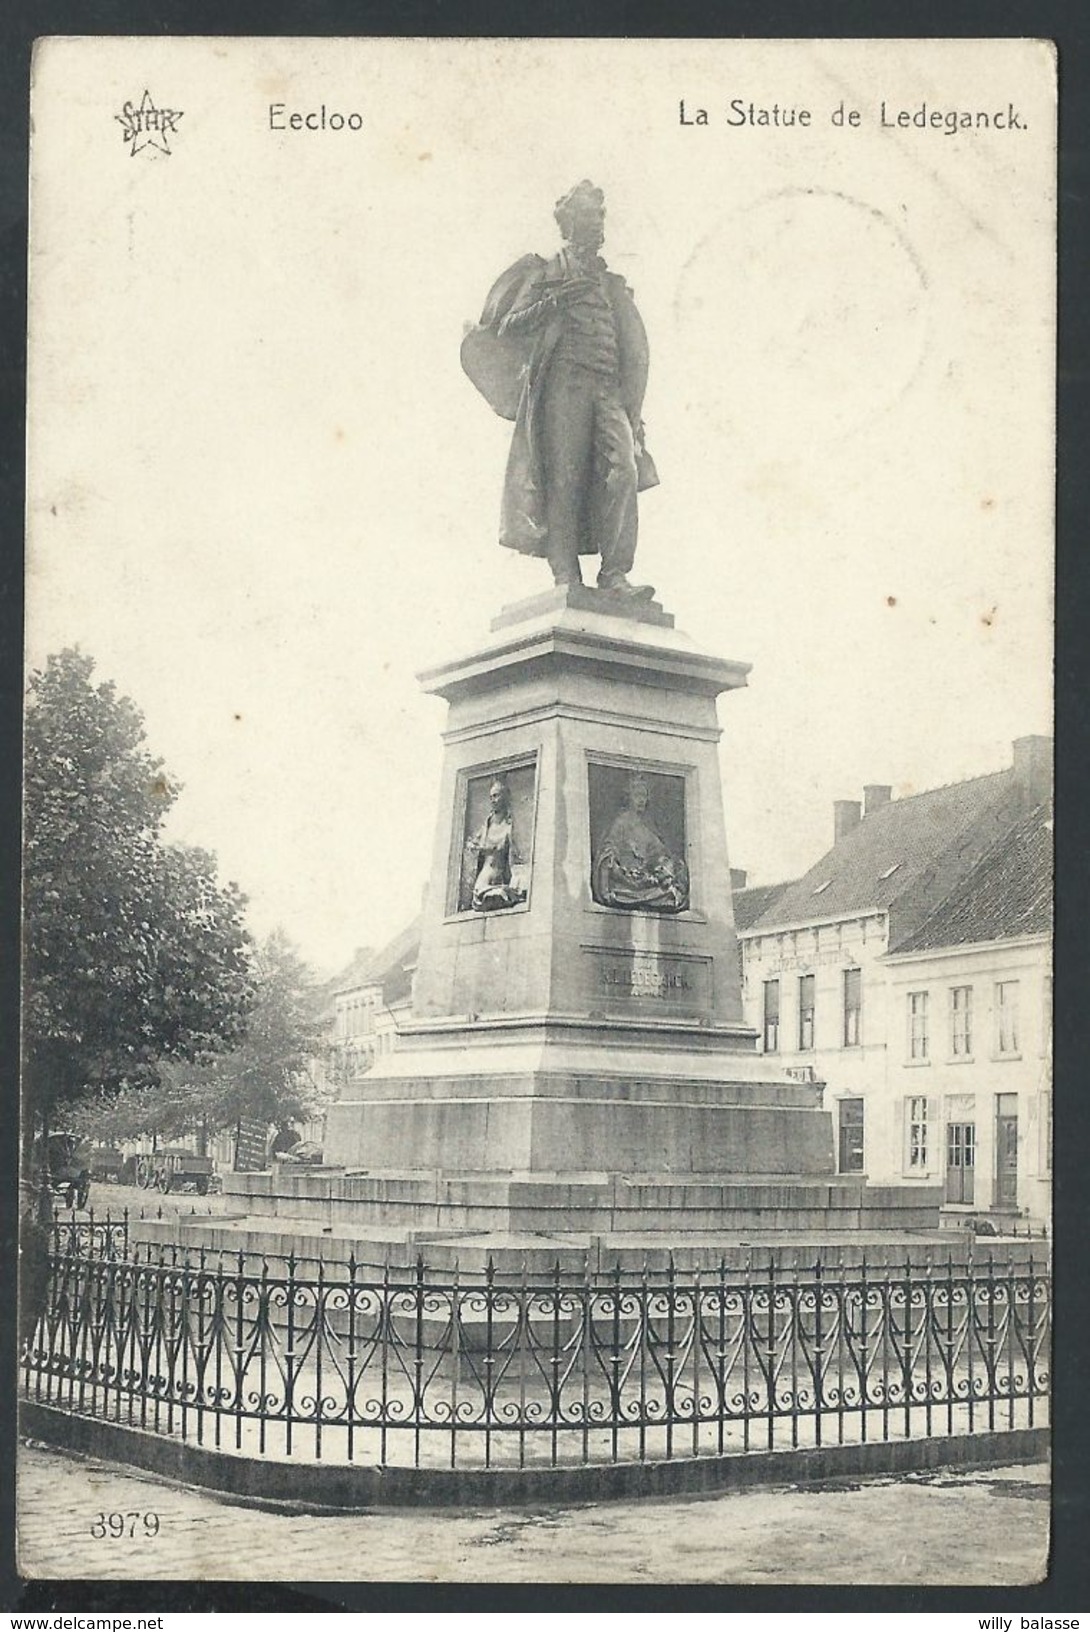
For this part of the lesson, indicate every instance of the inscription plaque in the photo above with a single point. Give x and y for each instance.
(663, 983)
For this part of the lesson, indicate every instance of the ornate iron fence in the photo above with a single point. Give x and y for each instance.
(413, 1368)
(98, 1237)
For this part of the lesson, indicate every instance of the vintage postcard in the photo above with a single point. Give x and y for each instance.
(537, 1000)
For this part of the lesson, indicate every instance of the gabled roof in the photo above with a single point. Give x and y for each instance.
(326, 991)
(885, 856)
(1007, 894)
(391, 968)
(750, 903)
(355, 973)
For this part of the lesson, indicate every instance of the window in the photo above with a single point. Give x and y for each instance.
(806, 1011)
(916, 1108)
(772, 1016)
(961, 1021)
(917, 1026)
(853, 1007)
(1006, 1017)
(1044, 1113)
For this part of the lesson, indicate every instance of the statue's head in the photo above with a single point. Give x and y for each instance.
(499, 797)
(639, 792)
(581, 216)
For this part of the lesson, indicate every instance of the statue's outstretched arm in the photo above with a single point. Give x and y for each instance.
(529, 317)
(537, 312)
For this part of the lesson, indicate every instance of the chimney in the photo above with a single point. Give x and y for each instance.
(737, 878)
(875, 795)
(846, 816)
(1033, 767)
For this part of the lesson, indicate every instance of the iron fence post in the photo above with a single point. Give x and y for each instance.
(819, 1381)
(863, 1367)
(350, 1381)
(418, 1363)
(289, 1358)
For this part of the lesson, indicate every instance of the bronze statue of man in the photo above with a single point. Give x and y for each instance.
(561, 350)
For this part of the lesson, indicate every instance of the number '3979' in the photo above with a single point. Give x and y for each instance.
(137, 1526)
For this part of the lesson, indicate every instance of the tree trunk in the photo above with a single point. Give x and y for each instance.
(35, 1226)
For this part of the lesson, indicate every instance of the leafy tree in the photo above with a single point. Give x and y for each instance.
(164, 1109)
(267, 1078)
(134, 954)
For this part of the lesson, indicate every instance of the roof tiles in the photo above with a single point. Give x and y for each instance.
(751, 903)
(884, 857)
(1008, 893)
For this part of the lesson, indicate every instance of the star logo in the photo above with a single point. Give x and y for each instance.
(147, 125)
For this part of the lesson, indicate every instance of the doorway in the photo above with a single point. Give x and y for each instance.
(1006, 1152)
(960, 1162)
(850, 1135)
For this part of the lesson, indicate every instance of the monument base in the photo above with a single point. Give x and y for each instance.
(535, 1225)
(551, 1096)
(570, 1205)
(577, 1078)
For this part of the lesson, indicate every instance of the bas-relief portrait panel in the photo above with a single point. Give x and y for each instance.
(638, 838)
(494, 831)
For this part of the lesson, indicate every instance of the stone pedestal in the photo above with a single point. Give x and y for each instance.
(557, 1034)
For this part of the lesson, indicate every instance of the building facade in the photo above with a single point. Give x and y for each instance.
(839, 981)
(367, 1005)
(969, 1091)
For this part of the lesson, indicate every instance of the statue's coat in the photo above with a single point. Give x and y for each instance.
(509, 370)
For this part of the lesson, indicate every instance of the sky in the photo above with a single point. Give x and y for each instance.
(263, 495)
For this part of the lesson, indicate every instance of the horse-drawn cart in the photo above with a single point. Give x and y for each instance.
(174, 1169)
(107, 1163)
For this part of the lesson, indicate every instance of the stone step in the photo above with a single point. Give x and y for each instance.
(516, 1253)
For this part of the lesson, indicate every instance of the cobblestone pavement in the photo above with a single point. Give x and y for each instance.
(964, 1528)
(115, 1199)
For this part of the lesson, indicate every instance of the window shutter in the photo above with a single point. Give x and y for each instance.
(900, 1120)
(935, 1134)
